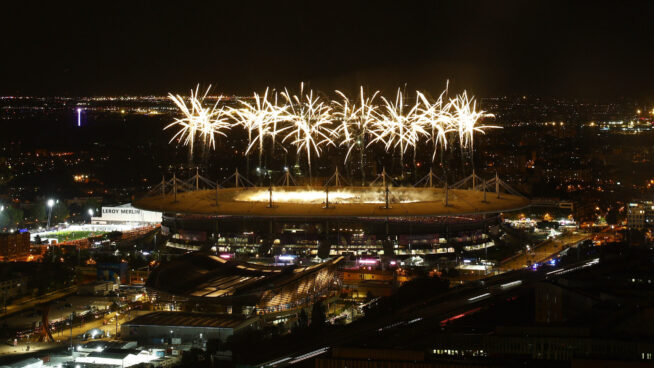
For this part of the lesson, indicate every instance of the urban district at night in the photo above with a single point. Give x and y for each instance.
(364, 184)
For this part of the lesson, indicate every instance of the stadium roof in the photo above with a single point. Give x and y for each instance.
(460, 202)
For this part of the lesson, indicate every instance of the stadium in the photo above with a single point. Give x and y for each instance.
(326, 220)
(332, 219)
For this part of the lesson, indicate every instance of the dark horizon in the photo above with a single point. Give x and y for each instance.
(577, 50)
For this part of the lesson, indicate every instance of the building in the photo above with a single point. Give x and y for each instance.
(101, 345)
(116, 357)
(229, 286)
(98, 288)
(13, 286)
(313, 221)
(127, 215)
(374, 358)
(181, 327)
(640, 215)
(363, 282)
(138, 277)
(14, 245)
(113, 272)
(26, 363)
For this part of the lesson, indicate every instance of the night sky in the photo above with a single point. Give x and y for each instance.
(569, 49)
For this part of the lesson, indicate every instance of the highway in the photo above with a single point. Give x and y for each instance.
(542, 252)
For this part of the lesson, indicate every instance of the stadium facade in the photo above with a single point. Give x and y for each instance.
(330, 221)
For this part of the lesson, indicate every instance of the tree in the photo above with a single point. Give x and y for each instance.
(93, 204)
(41, 210)
(318, 315)
(114, 235)
(59, 213)
(215, 345)
(612, 216)
(11, 216)
(5, 172)
(53, 273)
(302, 319)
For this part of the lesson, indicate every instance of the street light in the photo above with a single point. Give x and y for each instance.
(117, 315)
(50, 204)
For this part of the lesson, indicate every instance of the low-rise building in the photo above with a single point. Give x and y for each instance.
(364, 282)
(182, 327)
(127, 214)
(640, 215)
(13, 287)
(116, 357)
(138, 277)
(26, 363)
(97, 288)
(14, 246)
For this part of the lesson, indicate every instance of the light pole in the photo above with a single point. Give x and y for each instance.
(50, 204)
(71, 332)
(118, 305)
(91, 213)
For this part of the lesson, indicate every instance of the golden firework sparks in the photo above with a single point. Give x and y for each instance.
(197, 119)
(355, 118)
(311, 121)
(260, 118)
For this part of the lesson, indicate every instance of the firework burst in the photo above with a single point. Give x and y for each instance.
(356, 119)
(309, 124)
(311, 121)
(436, 117)
(198, 120)
(260, 118)
(398, 126)
(465, 114)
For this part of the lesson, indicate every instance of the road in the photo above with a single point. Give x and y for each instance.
(62, 337)
(542, 251)
(109, 327)
(31, 303)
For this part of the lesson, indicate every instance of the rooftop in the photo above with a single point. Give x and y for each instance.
(114, 353)
(184, 319)
(199, 275)
(422, 202)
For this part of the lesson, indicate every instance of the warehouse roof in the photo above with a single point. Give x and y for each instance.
(184, 319)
